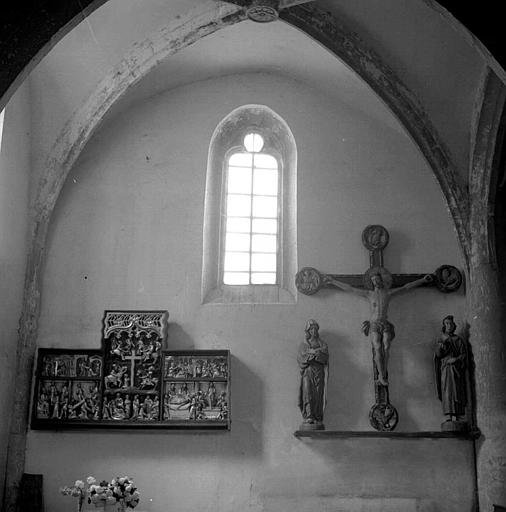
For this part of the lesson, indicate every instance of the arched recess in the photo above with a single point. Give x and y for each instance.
(278, 139)
(317, 24)
(143, 57)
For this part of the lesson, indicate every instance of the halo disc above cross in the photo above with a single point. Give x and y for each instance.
(378, 286)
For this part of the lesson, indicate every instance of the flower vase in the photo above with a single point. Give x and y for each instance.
(80, 502)
(121, 506)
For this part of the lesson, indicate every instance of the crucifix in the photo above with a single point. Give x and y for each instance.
(377, 285)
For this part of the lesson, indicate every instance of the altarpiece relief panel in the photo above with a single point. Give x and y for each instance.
(196, 386)
(132, 382)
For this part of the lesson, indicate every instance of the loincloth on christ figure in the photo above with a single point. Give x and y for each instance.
(379, 326)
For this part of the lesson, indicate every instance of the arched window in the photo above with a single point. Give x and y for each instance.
(251, 215)
(250, 210)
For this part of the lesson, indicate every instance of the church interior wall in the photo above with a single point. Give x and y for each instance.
(442, 69)
(127, 234)
(437, 59)
(14, 183)
(71, 71)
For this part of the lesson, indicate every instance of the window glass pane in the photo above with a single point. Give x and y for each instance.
(235, 278)
(237, 242)
(251, 220)
(265, 226)
(263, 278)
(253, 142)
(238, 261)
(238, 206)
(265, 161)
(240, 225)
(241, 160)
(265, 206)
(263, 243)
(239, 180)
(263, 262)
(265, 182)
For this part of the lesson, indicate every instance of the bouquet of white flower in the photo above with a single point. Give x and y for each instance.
(124, 491)
(120, 491)
(99, 494)
(78, 490)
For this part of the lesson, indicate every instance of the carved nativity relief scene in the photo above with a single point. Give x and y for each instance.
(377, 286)
(132, 382)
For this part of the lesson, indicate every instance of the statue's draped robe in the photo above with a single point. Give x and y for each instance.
(313, 367)
(451, 362)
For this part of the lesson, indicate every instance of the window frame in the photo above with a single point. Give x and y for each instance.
(224, 197)
(226, 139)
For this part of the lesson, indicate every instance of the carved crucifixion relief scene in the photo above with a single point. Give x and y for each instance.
(252, 256)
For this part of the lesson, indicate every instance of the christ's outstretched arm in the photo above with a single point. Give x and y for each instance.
(413, 284)
(345, 287)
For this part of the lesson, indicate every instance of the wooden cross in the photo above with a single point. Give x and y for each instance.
(132, 358)
(378, 286)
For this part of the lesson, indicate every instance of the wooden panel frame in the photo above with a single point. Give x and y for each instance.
(131, 383)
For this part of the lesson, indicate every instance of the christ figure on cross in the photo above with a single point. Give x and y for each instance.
(381, 330)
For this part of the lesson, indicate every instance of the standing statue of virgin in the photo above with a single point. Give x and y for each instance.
(313, 357)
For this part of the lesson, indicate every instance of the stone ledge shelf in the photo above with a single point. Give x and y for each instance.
(343, 434)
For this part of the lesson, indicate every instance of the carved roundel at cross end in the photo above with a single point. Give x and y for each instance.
(448, 278)
(375, 237)
(308, 280)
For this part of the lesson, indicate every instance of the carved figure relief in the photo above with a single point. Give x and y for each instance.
(196, 401)
(185, 367)
(68, 400)
(308, 280)
(448, 278)
(132, 382)
(71, 365)
(375, 237)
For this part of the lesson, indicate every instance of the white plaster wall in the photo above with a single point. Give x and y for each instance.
(127, 233)
(65, 78)
(14, 178)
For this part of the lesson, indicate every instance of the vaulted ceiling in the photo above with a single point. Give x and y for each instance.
(27, 27)
(438, 65)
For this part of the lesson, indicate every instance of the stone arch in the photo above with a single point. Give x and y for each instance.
(314, 22)
(143, 57)
(332, 34)
(486, 293)
(484, 170)
(321, 26)
(139, 61)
